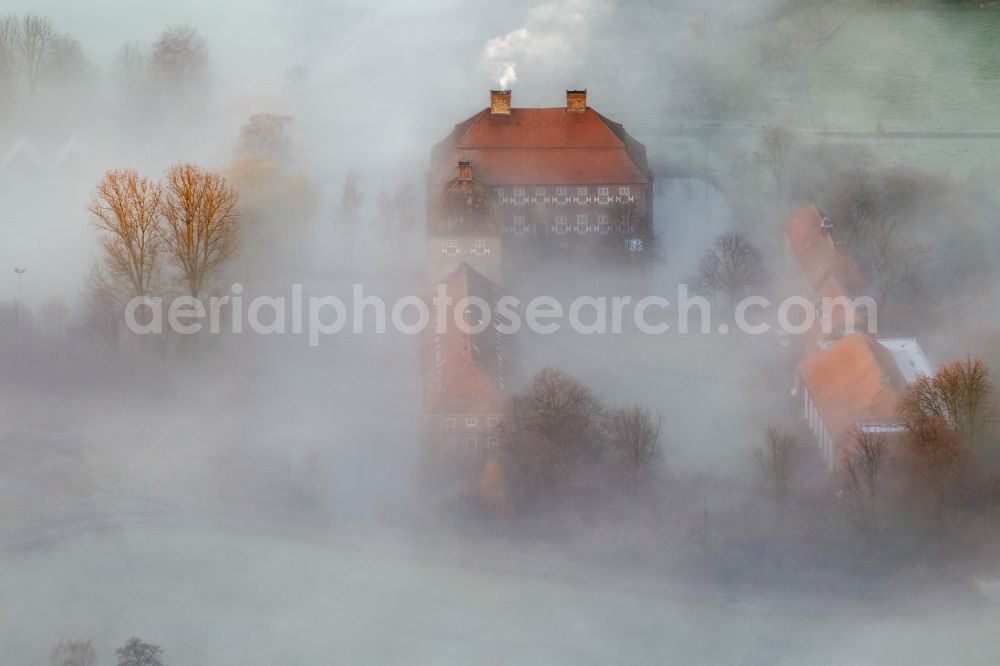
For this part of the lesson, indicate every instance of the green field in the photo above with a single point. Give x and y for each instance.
(924, 71)
(915, 70)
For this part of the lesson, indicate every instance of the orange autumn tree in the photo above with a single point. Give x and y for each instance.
(200, 224)
(958, 397)
(947, 416)
(127, 207)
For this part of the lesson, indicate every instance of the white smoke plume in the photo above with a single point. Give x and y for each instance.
(552, 33)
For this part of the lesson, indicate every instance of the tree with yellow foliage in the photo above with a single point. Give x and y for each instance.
(126, 207)
(200, 224)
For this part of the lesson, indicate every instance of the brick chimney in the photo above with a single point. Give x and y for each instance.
(500, 102)
(464, 170)
(576, 101)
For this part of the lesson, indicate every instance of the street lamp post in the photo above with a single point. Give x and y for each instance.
(20, 272)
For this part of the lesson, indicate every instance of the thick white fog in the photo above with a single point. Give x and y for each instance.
(703, 497)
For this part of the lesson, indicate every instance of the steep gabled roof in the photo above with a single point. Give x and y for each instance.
(854, 379)
(543, 146)
(463, 372)
(816, 252)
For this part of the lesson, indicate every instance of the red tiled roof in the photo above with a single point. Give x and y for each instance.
(854, 379)
(832, 289)
(543, 146)
(817, 254)
(463, 372)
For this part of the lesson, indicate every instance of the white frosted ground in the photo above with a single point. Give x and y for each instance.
(211, 597)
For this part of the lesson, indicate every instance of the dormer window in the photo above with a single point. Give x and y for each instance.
(604, 195)
(519, 197)
(625, 194)
(562, 196)
(581, 195)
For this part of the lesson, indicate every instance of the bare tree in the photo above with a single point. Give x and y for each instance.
(103, 307)
(775, 460)
(549, 428)
(398, 210)
(895, 263)
(36, 49)
(200, 224)
(632, 239)
(862, 462)
(632, 436)
(70, 67)
(179, 59)
(73, 652)
(127, 208)
(856, 201)
(129, 68)
(775, 145)
(137, 653)
(730, 269)
(9, 31)
(54, 314)
(350, 199)
(265, 134)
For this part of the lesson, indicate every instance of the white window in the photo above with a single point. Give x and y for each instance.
(603, 226)
(471, 444)
(479, 248)
(539, 195)
(493, 421)
(581, 224)
(450, 422)
(581, 195)
(519, 226)
(519, 196)
(562, 225)
(603, 195)
(492, 443)
(451, 248)
(624, 193)
(471, 421)
(500, 194)
(561, 196)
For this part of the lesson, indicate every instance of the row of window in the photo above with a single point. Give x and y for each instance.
(450, 422)
(471, 444)
(478, 249)
(561, 225)
(519, 195)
